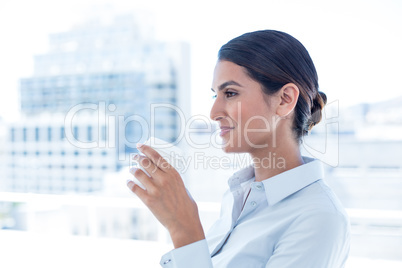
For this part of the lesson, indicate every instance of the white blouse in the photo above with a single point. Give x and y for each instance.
(292, 219)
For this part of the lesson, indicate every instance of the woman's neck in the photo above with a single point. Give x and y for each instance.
(271, 161)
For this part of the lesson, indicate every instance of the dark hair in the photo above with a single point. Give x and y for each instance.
(273, 59)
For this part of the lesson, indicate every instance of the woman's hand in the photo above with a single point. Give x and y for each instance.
(167, 197)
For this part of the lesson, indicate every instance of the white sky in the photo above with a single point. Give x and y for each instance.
(356, 44)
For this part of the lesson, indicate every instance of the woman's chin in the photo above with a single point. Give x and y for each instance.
(231, 149)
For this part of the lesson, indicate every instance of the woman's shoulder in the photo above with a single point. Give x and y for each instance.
(319, 199)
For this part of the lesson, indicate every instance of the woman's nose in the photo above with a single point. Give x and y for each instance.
(217, 110)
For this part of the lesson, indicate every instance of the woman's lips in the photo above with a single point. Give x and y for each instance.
(225, 130)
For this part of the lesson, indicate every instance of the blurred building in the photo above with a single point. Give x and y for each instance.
(90, 100)
(379, 121)
(3, 133)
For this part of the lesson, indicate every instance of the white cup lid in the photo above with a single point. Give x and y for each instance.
(163, 147)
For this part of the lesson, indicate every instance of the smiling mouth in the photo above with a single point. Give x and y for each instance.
(225, 130)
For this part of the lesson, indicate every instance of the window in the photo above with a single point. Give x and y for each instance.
(89, 133)
(36, 134)
(62, 136)
(24, 134)
(103, 133)
(76, 133)
(49, 134)
(12, 134)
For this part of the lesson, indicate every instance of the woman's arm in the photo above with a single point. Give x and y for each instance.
(195, 255)
(317, 239)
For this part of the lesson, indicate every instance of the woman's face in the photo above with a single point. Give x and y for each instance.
(245, 114)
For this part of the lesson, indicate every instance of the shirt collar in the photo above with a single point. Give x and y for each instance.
(284, 184)
(241, 176)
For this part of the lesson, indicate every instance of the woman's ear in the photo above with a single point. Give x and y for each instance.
(288, 94)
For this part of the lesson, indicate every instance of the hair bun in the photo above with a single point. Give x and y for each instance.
(318, 104)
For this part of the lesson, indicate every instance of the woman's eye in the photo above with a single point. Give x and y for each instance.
(229, 94)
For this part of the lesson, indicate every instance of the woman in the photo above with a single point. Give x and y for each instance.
(275, 216)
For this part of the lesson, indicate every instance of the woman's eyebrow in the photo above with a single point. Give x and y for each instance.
(226, 84)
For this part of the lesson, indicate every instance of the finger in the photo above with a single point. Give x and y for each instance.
(154, 156)
(142, 177)
(136, 189)
(148, 166)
